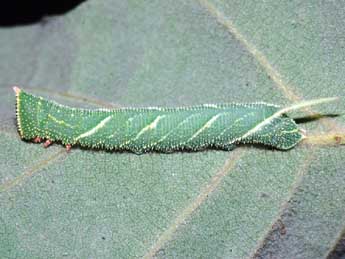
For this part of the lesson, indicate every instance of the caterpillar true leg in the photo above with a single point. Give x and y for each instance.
(37, 140)
(47, 143)
(68, 147)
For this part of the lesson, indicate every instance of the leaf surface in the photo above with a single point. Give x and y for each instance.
(251, 202)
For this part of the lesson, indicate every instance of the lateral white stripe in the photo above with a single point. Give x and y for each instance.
(95, 129)
(293, 107)
(207, 125)
(151, 126)
(178, 125)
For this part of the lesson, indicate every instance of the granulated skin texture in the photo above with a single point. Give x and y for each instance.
(156, 128)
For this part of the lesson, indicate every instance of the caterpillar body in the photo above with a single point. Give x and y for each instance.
(159, 129)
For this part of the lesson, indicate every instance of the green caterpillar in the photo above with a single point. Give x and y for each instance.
(158, 129)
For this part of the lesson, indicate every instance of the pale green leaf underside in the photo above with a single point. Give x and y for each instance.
(171, 53)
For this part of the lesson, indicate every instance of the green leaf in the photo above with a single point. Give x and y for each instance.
(251, 202)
